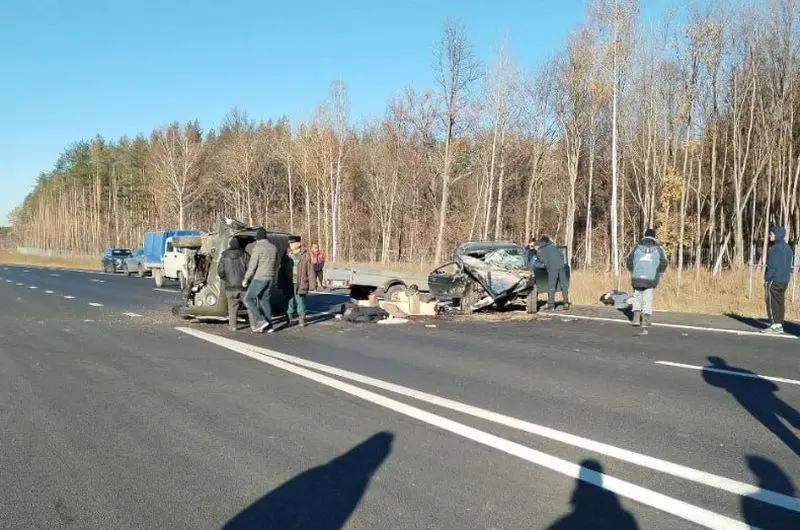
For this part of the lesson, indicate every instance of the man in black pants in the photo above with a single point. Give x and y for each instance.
(776, 278)
(549, 257)
(231, 270)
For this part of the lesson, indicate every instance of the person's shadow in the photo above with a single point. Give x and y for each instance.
(594, 508)
(761, 515)
(757, 396)
(322, 498)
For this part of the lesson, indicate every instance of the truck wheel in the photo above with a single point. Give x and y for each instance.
(393, 291)
(158, 276)
(141, 271)
(187, 242)
(532, 302)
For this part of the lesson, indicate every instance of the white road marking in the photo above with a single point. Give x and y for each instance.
(132, 314)
(20, 284)
(656, 464)
(95, 304)
(48, 292)
(166, 290)
(729, 372)
(674, 326)
(9, 281)
(56, 275)
(26, 270)
(32, 287)
(88, 320)
(69, 297)
(623, 488)
(97, 281)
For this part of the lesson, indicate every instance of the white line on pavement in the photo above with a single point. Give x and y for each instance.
(56, 275)
(48, 292)
(166, 290)
(69, 297)
(26, 270)
(656, 464)
(95, 304)
(97, 281)
(132, 314)
(32, 287)
(20, 284)
(667, 325)
(626, 489)
(728, 372)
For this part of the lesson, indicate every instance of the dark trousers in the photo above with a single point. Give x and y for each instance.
(775, 295)
(235, 299)
(318, 274)
(557, 279)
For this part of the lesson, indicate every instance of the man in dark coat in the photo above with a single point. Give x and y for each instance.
(231, 270)
(549, 257)
(304, 279)
(777, 275)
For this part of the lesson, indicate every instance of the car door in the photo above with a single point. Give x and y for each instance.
(447, 282)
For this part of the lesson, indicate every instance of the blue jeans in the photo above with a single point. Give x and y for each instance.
(296, 306)
(257, 300)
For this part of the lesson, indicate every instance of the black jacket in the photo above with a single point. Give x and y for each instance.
(663, 262)
(779, 259)
(232, 268)
(549, 257)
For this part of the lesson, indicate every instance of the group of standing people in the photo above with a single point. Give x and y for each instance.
(251, 277)
(647, 262)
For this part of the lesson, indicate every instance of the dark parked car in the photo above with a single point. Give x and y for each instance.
(113, 258)
(135, 263)
(486, 273)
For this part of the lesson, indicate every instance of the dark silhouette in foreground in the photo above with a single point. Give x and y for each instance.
(593, 507)
(757, 396)
(790, 328)
(322, 498)
(765, 516)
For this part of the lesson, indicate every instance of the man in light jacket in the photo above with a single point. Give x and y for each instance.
(258, 281)
(647, 263)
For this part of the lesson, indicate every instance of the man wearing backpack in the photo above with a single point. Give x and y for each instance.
(647, 262)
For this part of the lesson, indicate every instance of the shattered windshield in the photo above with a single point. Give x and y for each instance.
(498, 279)
(506, 258)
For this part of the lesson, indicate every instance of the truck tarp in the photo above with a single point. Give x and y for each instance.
(156, 242)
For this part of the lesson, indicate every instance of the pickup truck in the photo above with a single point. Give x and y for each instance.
(363, 281)
(159, 257)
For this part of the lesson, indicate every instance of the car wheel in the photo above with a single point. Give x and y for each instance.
(532, 302)
(470, 297)
(158, 277)
(393, 291)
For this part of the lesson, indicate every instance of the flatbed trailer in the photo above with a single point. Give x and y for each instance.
(363, 281)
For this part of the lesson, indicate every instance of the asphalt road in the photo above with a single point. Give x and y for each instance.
(117, 415)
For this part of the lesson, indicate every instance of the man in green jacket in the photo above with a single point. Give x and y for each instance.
(304, 279)
(258, 281)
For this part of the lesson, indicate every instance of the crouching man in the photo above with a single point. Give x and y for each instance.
(231, 269)
(304, 280)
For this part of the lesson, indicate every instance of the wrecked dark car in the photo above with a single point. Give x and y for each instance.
(488, 273)
(204, 293)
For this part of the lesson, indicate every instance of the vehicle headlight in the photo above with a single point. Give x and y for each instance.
(211, 299)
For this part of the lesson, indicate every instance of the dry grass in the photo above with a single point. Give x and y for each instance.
(12, 257)
(705, 294)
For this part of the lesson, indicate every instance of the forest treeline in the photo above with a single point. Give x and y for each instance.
(688, 124)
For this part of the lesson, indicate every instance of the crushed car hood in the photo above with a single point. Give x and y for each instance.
(502, 272)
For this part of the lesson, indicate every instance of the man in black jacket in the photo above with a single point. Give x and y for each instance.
(231, 270)
(549, 257)
(777, 275)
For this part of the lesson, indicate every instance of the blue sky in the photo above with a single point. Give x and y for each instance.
(71, 69)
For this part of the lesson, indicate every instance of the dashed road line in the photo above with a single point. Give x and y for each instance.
(166, 290)
(20, 284)
(32, 287)
(97, 281)
(48, 292)
(68, 297)
(132, 314)
(729, 372)
(95, 304)
(56, 275)
(659, 501)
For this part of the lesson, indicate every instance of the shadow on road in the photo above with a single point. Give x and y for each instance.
(759, 323)
(322, 498)
(760, 515)
(592, 506)
(757, 396)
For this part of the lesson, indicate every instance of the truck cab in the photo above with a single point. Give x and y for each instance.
(174, 262)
